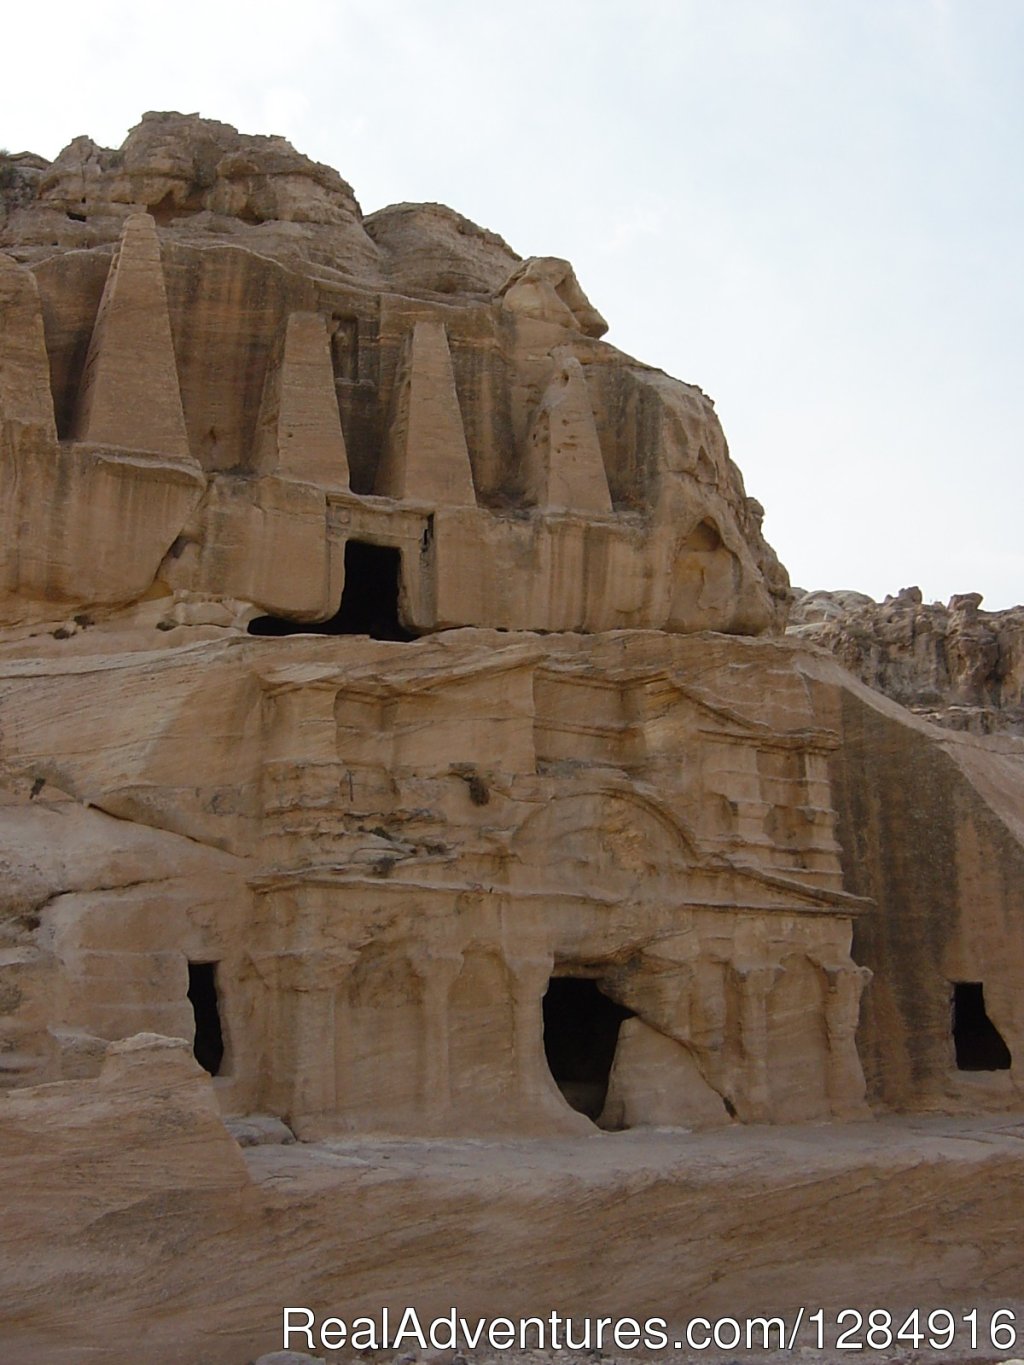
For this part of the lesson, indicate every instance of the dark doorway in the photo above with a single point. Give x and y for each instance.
(369, 602)
(979, 1044)
(581, 1029)
(202, 993)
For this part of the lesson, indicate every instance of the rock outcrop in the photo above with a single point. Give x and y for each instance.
(956, 664)
(202, 179)
(400, 741)
(429, 248)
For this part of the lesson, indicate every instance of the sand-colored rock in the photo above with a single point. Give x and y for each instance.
(440, 403)
(426, 459)
(300, 429)
(129, 395)
(205, 178)
(440, 790)
(956, 664)
(421, 854)
(563, 468)
(545, 289)
(429, 247)
(145, 1200)
(24, 373)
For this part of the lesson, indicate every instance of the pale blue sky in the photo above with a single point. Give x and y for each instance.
(812, 208)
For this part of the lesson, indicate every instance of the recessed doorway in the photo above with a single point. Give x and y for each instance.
(209, 1036)
(979, 1044)
(369, 602)
(581, 1031)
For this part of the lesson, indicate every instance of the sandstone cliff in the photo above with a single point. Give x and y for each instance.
(218, 302)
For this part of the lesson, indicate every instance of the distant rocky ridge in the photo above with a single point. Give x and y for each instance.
(956, 664)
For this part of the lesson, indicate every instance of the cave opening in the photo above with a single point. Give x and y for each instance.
(581, 1031)
(209, 1036)
(369, 601)
(979, 1044)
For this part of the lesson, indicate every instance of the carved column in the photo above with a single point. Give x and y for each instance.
(845, 1078)
(313, 1047)
(437, 973)
(343, 1039)
(264, 1057)
(755, 981)
(303, 1024)
(711, 1005)
(301, 1006)
(530, 977)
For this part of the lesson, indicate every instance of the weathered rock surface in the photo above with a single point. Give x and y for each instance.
(248, 301)
(172, 1246)
(956, 665)
(203, 178)
(429, 248)
(399, 743)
